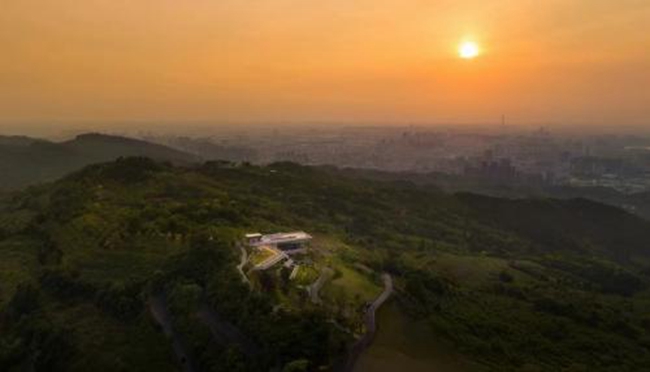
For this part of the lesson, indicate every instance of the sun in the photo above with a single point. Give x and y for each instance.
(469, 50)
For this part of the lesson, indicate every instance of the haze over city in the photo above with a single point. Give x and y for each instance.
(582, 62)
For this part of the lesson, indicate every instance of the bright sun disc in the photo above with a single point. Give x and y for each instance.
(468, 50)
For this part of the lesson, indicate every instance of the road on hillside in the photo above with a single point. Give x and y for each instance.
(370, 320)
(315, 288)
(158, 308)
(242, 262)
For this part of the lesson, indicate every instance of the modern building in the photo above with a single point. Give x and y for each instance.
(280, 245)
(283, 241)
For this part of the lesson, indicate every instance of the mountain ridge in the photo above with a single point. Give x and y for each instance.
(26, 161)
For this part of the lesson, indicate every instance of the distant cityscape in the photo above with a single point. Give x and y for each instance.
(536, 157)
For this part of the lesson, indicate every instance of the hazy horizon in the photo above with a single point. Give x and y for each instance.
(55, 130)
(573, 63)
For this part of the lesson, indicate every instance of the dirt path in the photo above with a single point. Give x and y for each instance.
(325, 275)
(370, 320)
(158, 309)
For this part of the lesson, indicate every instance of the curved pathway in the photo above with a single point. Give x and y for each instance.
(315, 288)
(371, 325)
(242, 262)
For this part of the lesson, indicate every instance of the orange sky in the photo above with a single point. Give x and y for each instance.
(562, 61)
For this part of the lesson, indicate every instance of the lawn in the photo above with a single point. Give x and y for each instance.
(350, 285)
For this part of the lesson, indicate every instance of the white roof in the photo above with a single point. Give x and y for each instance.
(292, 237)
(253, 235)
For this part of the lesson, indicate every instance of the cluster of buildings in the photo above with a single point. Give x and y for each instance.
(497, 154)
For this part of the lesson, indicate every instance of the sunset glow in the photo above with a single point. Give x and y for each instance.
(468, 50)
(288, 60)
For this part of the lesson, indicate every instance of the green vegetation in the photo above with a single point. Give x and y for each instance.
(261, 255)
(507, 285)
(306, 275)
(350, 285)
(405, 344)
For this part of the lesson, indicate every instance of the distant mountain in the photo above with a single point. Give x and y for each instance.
(25, 161)
(208, 150)
(17, 140)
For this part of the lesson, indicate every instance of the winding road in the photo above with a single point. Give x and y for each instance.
(242, 262)
(370, 320)
(315, 288)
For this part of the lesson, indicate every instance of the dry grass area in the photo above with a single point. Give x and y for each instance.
(261, 254)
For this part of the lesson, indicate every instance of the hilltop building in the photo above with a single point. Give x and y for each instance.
(286, 242)
(278, 247)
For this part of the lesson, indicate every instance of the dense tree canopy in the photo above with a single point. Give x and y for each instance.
(513, 284)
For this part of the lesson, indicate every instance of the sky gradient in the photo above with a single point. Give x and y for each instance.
(557, 61)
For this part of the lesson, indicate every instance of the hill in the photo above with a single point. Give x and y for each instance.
(208, 150)
(122, 265)
(26, 161)
(637, 203)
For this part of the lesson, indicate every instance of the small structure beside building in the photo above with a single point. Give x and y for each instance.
(253, 238)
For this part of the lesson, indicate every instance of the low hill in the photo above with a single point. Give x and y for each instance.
(26, 161)
(637, 203)
(208, 150)
(121, 265)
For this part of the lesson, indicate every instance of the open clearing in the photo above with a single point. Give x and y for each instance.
(351, 285)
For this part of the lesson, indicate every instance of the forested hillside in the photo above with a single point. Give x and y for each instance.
(26, 161)
(508, 285)
(636, 203)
